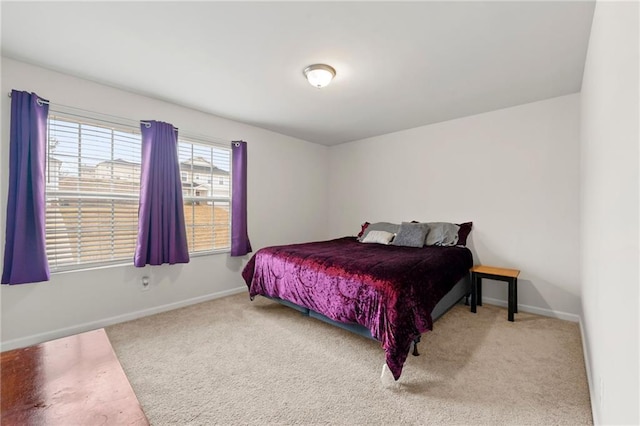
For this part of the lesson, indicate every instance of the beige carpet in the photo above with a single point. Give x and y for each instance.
(233, 361)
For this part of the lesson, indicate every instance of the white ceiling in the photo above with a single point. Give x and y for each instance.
(399, 65)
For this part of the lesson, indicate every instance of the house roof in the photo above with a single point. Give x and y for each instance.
(200, 165)
(120, 161)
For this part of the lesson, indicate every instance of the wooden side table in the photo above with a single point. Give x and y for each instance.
(501, 274)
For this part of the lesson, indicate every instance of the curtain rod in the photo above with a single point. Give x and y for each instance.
(41, 102)
(147, 124)
(187, 135)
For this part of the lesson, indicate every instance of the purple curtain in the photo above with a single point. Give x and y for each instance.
(25, 253)
(162, 236)
(240, 244)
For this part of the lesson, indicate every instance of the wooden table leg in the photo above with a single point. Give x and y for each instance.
(515, 297)
(474, 292)
(512, 290)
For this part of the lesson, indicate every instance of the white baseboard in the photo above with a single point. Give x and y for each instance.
(105, 322)
(534, 310)
(595, 413)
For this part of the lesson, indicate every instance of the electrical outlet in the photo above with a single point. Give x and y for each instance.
(145, 284)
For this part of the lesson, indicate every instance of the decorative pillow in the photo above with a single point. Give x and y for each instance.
(442, 234)
(411, 234)
(463, 232)
(362, 229)
(381, 226)
(378, 237)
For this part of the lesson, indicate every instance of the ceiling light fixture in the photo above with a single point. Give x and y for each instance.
(319, 75)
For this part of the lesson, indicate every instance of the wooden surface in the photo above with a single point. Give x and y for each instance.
(75, 380)
(513, 273)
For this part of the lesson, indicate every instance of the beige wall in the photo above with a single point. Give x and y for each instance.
(281, 169)
(513, 172)
(610, 197)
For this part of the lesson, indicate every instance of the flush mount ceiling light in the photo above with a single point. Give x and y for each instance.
(319, 75)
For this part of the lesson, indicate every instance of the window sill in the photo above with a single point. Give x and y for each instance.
(125, 264)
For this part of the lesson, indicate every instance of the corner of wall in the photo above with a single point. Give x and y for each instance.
(595, 413)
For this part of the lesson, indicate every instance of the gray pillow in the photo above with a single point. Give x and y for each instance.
(380, 226)
(442, 234)
(411, 235)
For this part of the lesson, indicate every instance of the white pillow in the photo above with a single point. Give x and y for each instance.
(379, 237)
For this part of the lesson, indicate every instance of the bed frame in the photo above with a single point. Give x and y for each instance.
(461, 290)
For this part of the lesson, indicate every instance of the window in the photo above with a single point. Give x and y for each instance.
(93, 186)
(207, 208)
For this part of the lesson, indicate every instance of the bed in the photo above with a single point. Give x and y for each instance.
(390, 293)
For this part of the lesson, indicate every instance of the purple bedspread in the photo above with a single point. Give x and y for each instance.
(390, 290)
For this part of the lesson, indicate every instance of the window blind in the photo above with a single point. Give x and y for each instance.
(92, 192)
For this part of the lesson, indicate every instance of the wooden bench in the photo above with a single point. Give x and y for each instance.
(494, 273)
(76, 380)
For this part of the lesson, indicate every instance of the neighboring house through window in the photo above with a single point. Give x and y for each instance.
(207, 206)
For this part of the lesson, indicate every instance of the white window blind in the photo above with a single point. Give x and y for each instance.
(206, 186)
(93, 180)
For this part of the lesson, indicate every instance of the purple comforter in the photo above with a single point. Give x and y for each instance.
(390, 290)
